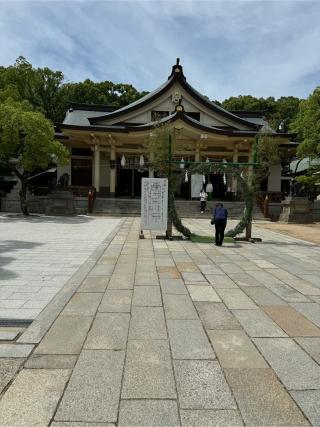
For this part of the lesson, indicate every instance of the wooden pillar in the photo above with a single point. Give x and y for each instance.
(113, 171)
(96, 159)
(235, 159)
(197, 154)
(151, 171)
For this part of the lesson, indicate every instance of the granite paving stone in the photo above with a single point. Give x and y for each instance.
(66, 336)
(76, 424)
(147, 323)
(115, 301)
(173, 286)
(258, 324)
(220, 281)
(287, 293)
(121, 281)
(193, 277)
(311, 346)
(156, 413)
(210, 418)
(201, 385)
(302, 286)
(203, 293)
(8, 336)
(216, 316)
(109, 331)
(245, 280)
(188, 267)
(188, 340)
(32, 398)
(263, 296)
(146, 279)
(262, 399)
(148, 372)
(51, 361)
(310, 310)
(8, 369)
(168, 273)
(15, 350)
(179, 307)
(292, 322)
(148, 296)
(102, 270)
(308, 400)
(94, 284)
(82, 304)
(236, 299)
(235, 350)
(293, 366)
(211, 269)
(93, 392)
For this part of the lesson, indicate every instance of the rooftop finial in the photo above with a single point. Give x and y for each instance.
(178, 61)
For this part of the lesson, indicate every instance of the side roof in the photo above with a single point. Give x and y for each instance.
(175, 76)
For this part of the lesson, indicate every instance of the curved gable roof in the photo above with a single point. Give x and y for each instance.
(175, 76)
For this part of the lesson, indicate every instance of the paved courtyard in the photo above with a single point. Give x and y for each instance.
(39, 254)
(157, 333)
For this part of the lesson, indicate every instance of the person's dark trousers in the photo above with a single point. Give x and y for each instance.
(202, 206)
(220, 225)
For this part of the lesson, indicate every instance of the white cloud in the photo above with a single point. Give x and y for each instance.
(251, 47)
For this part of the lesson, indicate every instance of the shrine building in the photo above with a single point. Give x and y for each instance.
(109, 146)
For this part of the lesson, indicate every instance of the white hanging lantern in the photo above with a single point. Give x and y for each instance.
(207, 160)
(141, 160)
(209, 188)
(186, 178)
(123, 161)
(203, 179)
(182, 163)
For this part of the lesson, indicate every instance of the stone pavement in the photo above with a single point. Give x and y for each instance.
(160, 333)
(39, 254)
(309, 232)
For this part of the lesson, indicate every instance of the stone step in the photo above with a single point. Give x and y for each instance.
(185, 208)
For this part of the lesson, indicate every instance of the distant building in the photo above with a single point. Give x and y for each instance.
(109, 147)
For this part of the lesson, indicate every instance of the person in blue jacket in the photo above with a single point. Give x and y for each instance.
(219, 218)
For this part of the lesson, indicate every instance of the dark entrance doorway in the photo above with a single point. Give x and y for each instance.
(218, 185)
(129, 182)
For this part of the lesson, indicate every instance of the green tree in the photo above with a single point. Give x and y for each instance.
(307, 125)
(278, 112)
(27, 143)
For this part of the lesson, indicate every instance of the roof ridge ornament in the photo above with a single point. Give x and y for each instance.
(177, 71)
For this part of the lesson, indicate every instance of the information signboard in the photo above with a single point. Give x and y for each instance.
(154, 203)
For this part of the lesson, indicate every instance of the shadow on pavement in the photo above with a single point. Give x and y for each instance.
(7, 246)
(78, 219)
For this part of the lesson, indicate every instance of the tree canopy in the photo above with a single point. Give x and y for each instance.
(27, 142)
(307, 125)
(278, 112)
(47, 91)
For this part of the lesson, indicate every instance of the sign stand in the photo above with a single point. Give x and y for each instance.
(154, 204)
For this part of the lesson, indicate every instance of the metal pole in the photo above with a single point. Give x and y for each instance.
(169, 223)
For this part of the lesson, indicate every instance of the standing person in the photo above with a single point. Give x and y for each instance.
(219, 219)
(203, 200)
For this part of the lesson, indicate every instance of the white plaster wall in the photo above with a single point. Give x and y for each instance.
(274, 178)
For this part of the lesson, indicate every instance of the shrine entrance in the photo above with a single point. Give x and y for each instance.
(129, 177)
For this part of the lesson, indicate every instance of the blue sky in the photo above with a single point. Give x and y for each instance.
(262, 48)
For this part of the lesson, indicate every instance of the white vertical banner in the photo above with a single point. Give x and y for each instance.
(196, 185)
(154, 203)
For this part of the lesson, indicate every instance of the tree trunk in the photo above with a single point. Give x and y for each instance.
(23, 198)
